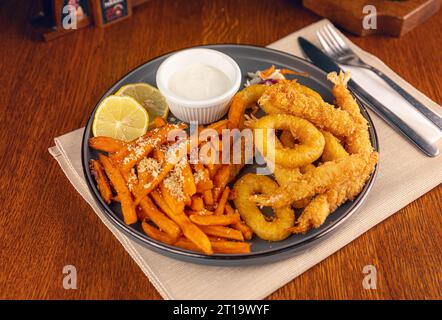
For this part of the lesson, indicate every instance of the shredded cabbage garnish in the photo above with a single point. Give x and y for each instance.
(269, 76)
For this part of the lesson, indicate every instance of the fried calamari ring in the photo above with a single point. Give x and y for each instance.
(243, 100)
(290, 97)
(274, 230)
(359, 143)
(287, 139)
(333, 148)
(285, 175)
(355, 169)
(311, 141)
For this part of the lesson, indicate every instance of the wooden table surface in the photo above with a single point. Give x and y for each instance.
(48, 89)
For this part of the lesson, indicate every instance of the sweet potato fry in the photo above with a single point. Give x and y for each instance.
(240, 225)
(156, 234)
(220, 180)
(141, 214)
(231, 247)
(160, 219)
(106, 144)
(190, 230)
(202, 212)
(219, 246)
(146, 145)
(197, 203)
(160, 202)
(202, 178)
(222, 201)
(189, 187)
(127, 204)
(205, 185)
(223, 232)
(193, 233)
(166, 168)
(118, 156)
(244, 229)
(101, 179)
(174, 204)
(228, 209)
(213, 169)
(214, 220)
(208, 198)
(186, 244)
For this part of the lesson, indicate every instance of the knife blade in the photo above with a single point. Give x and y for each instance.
(324, 62)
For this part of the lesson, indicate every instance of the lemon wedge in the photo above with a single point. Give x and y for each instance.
(121, 118)
(149, 97)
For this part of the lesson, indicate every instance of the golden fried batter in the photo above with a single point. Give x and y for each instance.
(290, 97)
(310, 146)
(335, 181)
(275, 229)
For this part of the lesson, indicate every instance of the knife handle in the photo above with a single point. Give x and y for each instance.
(397, 123)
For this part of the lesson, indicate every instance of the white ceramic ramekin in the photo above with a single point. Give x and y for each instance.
(203, 111)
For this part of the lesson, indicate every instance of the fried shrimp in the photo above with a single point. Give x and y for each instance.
(333, 148)
(324, 204)
(285, 175)
(316, 181)
(310, 146)
(290, 97)
(275, 229)
(359, 141)
(243, 100)
(349, 172)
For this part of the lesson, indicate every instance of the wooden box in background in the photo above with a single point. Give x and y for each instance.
(394, 17)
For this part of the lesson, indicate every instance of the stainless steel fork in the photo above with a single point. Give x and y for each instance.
(339, 51)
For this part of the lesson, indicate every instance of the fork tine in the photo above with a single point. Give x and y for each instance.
(326, 43)
(333, 41)
(337, 37)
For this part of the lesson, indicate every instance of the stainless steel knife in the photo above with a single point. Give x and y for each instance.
(325, 63)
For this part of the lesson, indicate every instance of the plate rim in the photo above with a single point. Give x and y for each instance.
(196, 257)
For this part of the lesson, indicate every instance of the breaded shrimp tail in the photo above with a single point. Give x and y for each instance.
(359, 141)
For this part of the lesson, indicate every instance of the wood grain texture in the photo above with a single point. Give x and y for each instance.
(48, 89)
(394, 17)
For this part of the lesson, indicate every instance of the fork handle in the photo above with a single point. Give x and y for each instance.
(430, 115)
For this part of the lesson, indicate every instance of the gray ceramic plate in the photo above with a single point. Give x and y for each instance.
(249, 58)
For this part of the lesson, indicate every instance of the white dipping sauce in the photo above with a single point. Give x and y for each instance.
(199, 82)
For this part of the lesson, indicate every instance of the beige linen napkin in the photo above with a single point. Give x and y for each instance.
(404, 175)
